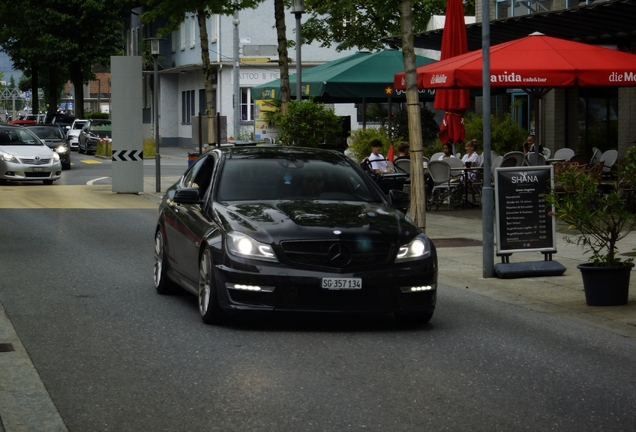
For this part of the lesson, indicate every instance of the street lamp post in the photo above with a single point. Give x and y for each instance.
(154, 52)
(298, 9)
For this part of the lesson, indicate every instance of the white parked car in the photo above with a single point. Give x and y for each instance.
(73, 133)
(24, 157)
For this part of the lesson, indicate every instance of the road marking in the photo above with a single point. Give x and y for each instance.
(92, 182)
(90, 161)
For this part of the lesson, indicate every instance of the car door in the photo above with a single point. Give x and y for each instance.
(191, 221)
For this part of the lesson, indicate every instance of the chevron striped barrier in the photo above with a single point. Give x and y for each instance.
(128, 155)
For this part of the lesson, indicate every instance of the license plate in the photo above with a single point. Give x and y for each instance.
(342, 283)
(40, 169)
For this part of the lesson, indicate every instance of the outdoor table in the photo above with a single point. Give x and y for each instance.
(551, 161)
(465, 202)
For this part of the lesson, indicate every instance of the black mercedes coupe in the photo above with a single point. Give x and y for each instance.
(291, 229)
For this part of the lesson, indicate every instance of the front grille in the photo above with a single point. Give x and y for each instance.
(318, 299)
(337, 254)
(251, 298)
(31, 161)
(37, 174)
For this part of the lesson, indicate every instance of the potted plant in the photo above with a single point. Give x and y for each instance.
(600, 213)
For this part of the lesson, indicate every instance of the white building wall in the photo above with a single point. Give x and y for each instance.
(257, 26)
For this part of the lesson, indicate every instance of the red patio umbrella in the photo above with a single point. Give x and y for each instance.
(453, 102)
(536, 64)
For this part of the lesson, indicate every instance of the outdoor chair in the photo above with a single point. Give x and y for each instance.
(443, 189)
(581, 159)
(512, 159)
(437, 155)
(609, 158)
(454, 163)
(596, 156)
(564, 153)
(403, 165)
(531, 159)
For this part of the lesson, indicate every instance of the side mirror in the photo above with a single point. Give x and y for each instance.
(187, 196)
(399, 200)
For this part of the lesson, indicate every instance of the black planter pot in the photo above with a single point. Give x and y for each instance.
(606, 286)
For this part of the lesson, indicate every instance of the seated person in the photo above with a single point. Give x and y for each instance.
(378, 162)
(471, 158)
(528, 146)
(448, 151)
(403, 151)
(313, 183)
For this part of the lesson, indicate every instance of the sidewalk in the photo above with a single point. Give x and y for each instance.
(25, 405)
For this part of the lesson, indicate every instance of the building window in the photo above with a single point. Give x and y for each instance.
(598, 118)
(175, 38)
(513, 8)
(247, 104)
(182, 36)
(187, 106)
(202, 102)
(193, 33)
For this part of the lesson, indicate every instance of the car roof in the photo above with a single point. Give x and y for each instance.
(276, 151)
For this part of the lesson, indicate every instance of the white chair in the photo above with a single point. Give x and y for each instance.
(496, 163)
(443, 188)
(564, 153)
(609, 158)
(596, 156)
(458, 155)
(547, 152)
(454, 163)
(437, 155)
(403, 165)
(531, 159)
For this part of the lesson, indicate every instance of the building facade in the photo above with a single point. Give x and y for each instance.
(181, 85)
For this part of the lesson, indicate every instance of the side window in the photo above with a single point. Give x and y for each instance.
(204, 176)
(188, 178)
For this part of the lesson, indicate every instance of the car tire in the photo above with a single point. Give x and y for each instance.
(208, 297)
(79, 149)
(66, 166)
(411, 319)
(47, 182)
(163, 284)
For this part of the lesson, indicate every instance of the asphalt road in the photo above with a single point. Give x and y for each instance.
(115, 356)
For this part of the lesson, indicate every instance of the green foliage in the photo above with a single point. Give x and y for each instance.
(362, 23)
(600, 217)
(506, 135)
(400, 126)
(96, 115)
(308, 124)
(361, 141)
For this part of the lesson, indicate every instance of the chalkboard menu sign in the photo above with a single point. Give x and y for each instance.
(524, 220)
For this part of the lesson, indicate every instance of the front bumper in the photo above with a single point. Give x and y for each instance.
(26, 172)
(284, 289)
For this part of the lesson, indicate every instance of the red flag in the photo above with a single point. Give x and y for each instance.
(391, 154)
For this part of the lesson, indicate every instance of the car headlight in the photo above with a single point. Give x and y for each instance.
(8, 157)
(61, 149)
(244, 246)
(418, 248)
(56, 157)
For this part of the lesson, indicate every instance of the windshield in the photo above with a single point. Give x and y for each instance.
(18, 136)
(78, 124)
(282, 179)
(47, 133)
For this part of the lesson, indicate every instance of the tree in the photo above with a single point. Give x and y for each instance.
(175, 11)
(52, 40)
(283, 58)
(361, 24)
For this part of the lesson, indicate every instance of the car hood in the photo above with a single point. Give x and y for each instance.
(274, 221)
(22, 151)
(53, 143)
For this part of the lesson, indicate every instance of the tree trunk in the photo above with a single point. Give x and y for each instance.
(283, 59)
(51, 96)
(417, 210)
(35, 97)
(77, 78)
(209, 75)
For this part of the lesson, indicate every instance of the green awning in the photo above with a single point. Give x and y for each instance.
(362, 75)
